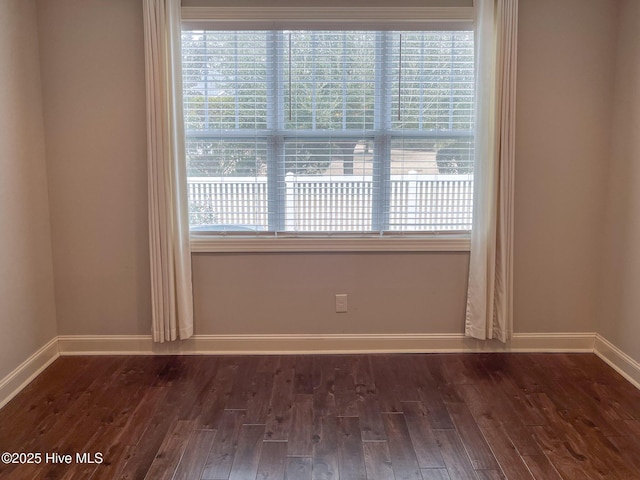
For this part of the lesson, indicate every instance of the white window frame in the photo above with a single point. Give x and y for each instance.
(370, 18)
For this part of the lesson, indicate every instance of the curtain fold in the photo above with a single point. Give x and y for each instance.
(171, 288)
(489, 312)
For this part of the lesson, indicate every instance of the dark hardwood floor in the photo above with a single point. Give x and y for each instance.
(454, 416)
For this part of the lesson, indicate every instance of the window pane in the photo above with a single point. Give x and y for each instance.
(441, 155)
(431, 184)
(227, 184)
(329, 80)
(303, 131)
(433, 81)
(224, 80)
(328, 185)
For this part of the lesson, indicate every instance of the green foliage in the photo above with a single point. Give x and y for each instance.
(200, 213)
(455, 159)
(220, 158)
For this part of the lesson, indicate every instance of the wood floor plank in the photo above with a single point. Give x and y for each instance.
(541, 468)
(455, 371)
(273, 461)
(634, 429)
(513, 396)
(170, 452)
(489, 474)
(486, 411)
(383, 376)
(435, 367)
(500, 437)
(350, 454)
(53, 380)
(423, 439)
(345, 391)
(195, 456)
(567, 394)
(368, 405)
(435, 474)
(491, 402)
(363, 377)
(608, 455)
(325, 451)
(627, 448)
(407, 377)
(267, 363)
(569, 462)
(377, 461)
(403, 457)
(141, 456)
(454, 455)
(560, 442)
(300, 436)
(216, 398)
(46, 398)
(522, 370)
(298, 468)
(505, 451)
(242, 383)
(115, 458)
(69, 409)
(259, 396)
(323, 395)
(78, 471)
(472, 438)
(608, 404)
(370, 418)
(581, 440)
(139, 419)
(281, 402)
(304, 382)
(247, 457)
(624, 394)
(437, 412)
(220, 459)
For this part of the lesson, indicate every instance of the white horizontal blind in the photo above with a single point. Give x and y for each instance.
(329, 131)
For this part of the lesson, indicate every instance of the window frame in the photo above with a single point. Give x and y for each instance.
(335, 18)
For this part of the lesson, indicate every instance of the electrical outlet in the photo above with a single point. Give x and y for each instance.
(341, 303)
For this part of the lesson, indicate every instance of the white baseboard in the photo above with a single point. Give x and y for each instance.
(19, 378)
(618, 360)
(335, 343)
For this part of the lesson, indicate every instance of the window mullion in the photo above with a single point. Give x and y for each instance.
(344, 81)
(275, 125)
(237, 78)
(382, 140)
(314, 100)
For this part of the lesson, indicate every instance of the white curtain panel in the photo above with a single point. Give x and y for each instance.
(490, 292)
(171, 289)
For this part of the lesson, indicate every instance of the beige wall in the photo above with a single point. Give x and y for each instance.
(566, 58)
(620, 280)
(295, 293)
(92, 63)
(27, 312)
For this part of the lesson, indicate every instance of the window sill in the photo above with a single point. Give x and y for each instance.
(459, 242)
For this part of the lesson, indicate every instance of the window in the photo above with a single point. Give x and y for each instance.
(296, 132)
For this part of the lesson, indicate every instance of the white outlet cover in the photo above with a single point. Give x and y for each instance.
(341, 303)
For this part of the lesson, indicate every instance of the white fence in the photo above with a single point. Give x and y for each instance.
(333, 203)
